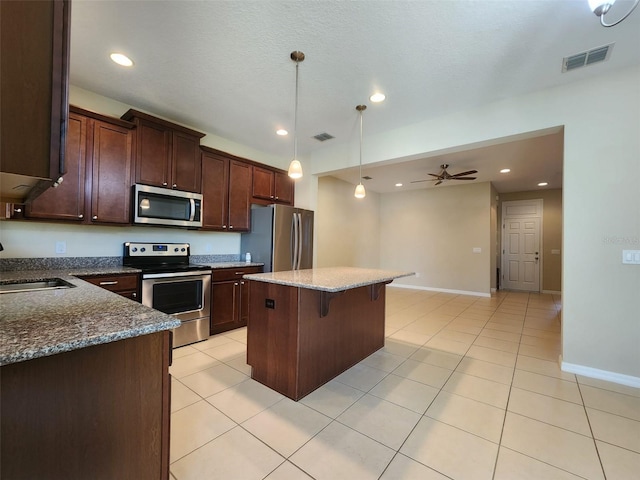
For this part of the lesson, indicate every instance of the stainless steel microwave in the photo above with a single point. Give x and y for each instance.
(162, 206)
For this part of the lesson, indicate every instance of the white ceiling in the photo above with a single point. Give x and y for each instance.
(223, 67)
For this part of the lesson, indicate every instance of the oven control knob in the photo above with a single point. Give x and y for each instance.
(142, 249)
(134, 249)
(183, 249)
(176, 249)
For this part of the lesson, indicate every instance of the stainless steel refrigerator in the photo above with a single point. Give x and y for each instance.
(281, 237)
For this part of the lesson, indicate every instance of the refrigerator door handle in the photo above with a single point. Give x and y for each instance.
(300, 242)
(294, 250)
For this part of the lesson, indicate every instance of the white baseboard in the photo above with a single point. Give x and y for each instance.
(590, 372)
(553, 292)
(440, 290)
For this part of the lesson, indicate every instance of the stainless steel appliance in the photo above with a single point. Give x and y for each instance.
(281, 237)
(163, 206)
(174, 286)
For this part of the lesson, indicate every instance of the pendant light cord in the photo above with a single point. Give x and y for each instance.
(295, 118)
(360, 177)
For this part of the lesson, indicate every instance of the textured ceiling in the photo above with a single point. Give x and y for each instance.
(223, 66)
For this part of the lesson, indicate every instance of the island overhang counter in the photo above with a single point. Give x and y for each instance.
(307, 326)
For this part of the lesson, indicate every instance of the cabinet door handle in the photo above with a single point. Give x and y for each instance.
(95, 217)
(109, 283)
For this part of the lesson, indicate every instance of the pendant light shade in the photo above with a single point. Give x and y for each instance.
(360, 191)
(295, 168)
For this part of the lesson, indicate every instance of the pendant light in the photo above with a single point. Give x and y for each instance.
(360, 192)
(295, 169)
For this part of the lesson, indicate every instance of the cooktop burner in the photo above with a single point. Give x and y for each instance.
(159, 257)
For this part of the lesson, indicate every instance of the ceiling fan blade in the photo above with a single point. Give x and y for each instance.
(434, 175)
(462, 174)
(462, 178)
(438, 182)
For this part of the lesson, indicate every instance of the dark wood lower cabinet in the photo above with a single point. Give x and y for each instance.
(126, 284)
(230, 298)
(100, 412)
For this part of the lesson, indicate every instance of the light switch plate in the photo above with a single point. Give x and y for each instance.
(631, 257)
(61, 247)
(477, 250)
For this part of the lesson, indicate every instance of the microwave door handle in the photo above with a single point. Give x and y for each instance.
(193, 209)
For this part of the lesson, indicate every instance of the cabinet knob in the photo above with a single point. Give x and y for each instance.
(164, 184)
(277, 198)
(175, 185)
(224, 226)
(95, 217)
(230, 227)
(17, 210)
(134, 295)
(81, 216)
(236, 284)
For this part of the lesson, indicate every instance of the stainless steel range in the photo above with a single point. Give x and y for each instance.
(174, 286)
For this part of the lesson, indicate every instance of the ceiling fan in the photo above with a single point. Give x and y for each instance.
(444, 175)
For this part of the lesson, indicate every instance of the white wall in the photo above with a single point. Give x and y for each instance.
(601, 202)
(347, 228)
(433, 232)
(30, 239)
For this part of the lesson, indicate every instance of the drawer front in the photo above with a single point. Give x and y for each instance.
(115, 283)
(226, 274)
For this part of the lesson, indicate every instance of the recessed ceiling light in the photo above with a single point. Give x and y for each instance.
(281, 131)
(377, 97)
(505, 170)
(398, 184)
(121, 59)
(543, 184)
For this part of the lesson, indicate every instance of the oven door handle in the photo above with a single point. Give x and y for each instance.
(198, 273)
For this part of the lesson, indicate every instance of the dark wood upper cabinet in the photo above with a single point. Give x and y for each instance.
(272, 186)
(34, 84)
(167, 154)
(111, 173)
(226, 187)
(97, 186)
(67, 200)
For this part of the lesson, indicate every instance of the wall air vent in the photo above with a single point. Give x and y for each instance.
(582, 59)
(321, 137)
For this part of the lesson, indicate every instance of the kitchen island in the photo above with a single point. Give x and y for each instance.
(308, 326)
(84, 382)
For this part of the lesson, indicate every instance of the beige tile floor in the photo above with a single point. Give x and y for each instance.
(466, 388)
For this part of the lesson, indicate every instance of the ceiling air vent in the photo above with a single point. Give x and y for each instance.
(321, 137)
(595, 55)
(367, 177)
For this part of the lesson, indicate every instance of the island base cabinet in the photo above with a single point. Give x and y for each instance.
(100, 412)
(298, 339)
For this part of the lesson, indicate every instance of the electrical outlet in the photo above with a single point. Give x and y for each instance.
(631, 257)
(61, 247)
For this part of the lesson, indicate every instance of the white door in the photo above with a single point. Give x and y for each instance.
(521, 257)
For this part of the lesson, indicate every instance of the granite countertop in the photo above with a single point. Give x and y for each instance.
(329, 279)
(42, 323)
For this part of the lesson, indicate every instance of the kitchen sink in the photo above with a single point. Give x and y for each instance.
(35, 285)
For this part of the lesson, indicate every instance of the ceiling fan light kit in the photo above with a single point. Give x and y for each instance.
(601, 8)
(444, 175)
(295, 168)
